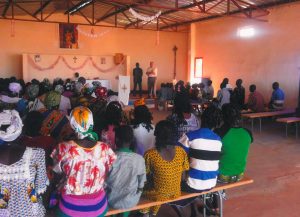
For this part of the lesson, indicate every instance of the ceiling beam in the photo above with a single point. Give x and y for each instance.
(120, 10)
(26, 11)
(5, 9)
(261, 7)
(43, 6)
(152, 5)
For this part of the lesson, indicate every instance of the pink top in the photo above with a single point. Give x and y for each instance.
(85, 169)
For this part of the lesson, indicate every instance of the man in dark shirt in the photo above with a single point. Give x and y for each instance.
(137, 79)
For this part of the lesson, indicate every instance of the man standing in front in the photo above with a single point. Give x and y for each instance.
(152, 74)
(137, 79)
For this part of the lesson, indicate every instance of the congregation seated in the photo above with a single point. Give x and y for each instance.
(94, 146)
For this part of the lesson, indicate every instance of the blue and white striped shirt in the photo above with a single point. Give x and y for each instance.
(203, 147)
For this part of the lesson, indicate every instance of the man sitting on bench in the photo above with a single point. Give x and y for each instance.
(277, 99)
(256, 101)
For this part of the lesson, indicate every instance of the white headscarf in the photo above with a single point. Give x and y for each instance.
(15, 87)
(81, 120)
(11, 118)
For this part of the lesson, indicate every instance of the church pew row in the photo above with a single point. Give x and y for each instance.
(144, 203)
(261, 115)
(287, 121)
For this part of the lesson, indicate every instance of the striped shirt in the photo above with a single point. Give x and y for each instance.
(204, 150)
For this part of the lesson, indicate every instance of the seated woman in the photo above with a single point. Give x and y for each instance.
(143, 129)
(236, 141)
(127, 176)
(182, 116)
(55, 122)
(32, 137)
(23, 176)
(165, 165)
(84, 164)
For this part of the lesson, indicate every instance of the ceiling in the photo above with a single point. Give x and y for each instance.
(175, 15)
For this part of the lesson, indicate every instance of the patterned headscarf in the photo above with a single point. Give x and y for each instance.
(101, 92)
(96, 83)
(47, 84)
(87, 89)
(81, 120)
(52, 99)
(32, 91)
(11, 118)
(78, 86)
(68, 86)
(139, 102)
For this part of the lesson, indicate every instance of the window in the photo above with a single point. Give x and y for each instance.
(246, 32)
(198, 67)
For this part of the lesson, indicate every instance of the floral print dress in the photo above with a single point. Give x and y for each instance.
(85, 169)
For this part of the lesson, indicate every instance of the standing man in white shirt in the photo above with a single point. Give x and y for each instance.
(152, 75)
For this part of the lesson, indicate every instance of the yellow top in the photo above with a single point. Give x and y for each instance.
(166, 174)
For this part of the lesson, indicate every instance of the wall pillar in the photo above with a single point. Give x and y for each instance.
(191, 51)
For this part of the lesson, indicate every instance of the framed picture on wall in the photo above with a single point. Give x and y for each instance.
(198, 67)
(68, 36)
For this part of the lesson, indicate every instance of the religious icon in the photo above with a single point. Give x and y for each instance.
(103, 60)
(68, 36)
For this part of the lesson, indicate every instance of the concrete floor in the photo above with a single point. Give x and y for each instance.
(274, 164)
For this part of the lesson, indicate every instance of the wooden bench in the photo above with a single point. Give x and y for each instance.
(144, 203)
(288, 121)
(261, 115)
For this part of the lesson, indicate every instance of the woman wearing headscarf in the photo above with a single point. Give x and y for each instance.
(11, 99)
(84, 163)
(23, 176)
(86, 95)
(32, 93)
(55, 122)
